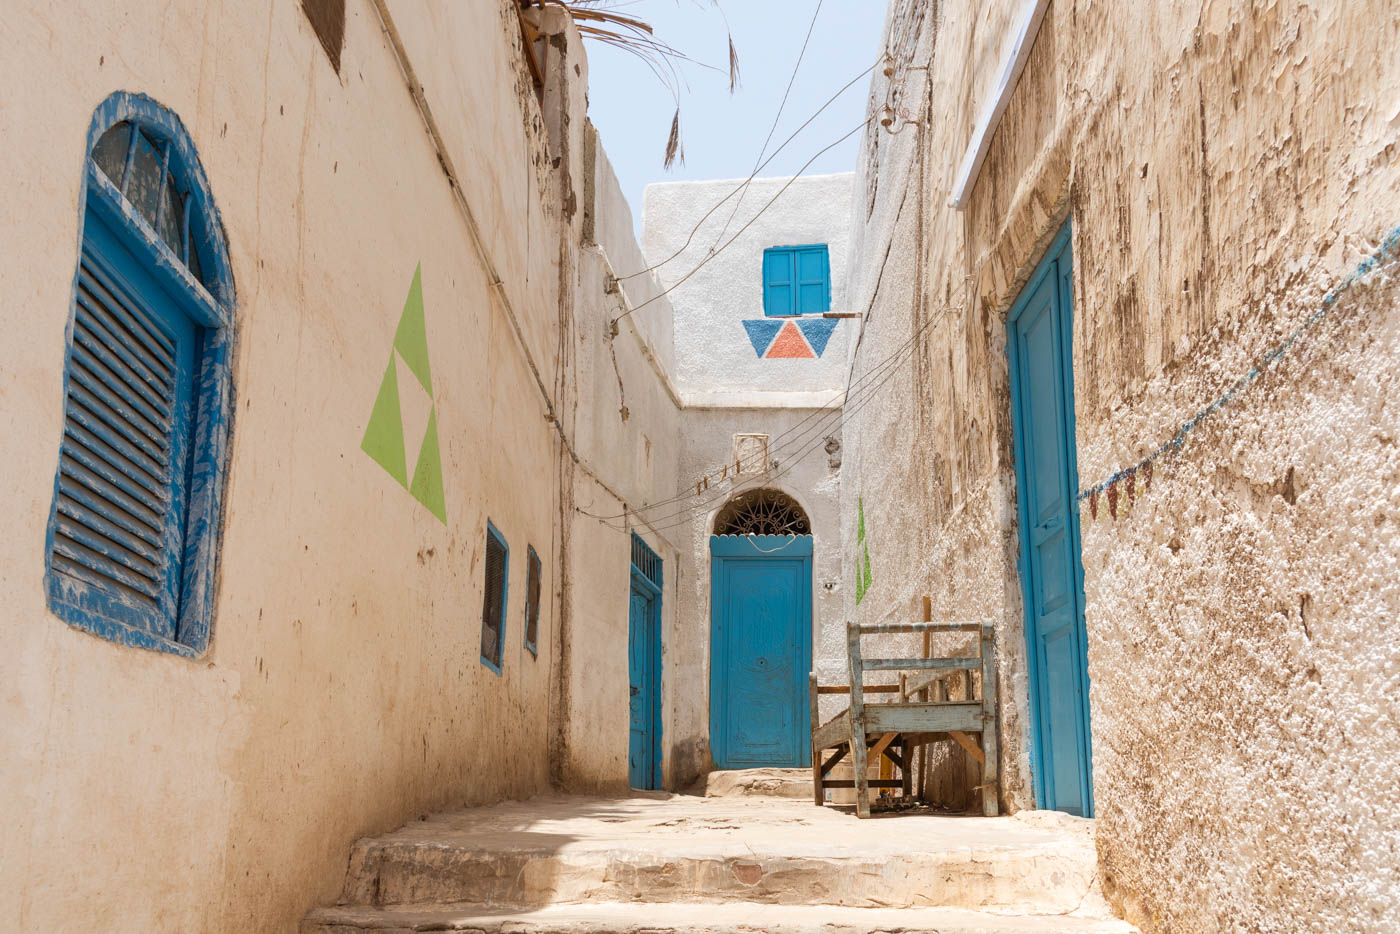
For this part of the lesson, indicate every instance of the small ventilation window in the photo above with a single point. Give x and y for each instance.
(493, 608)
(646, 561)
(762, 512)
(532, 601)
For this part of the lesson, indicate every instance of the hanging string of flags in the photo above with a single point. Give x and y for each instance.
(1124, 482)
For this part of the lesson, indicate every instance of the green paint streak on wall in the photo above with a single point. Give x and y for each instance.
(383, 438)
(411, 338)
(427, 475)
(863, 577)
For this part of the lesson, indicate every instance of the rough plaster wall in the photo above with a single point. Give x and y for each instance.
(342, 693)
(1224, 165)
(805, 473)
(712, 350)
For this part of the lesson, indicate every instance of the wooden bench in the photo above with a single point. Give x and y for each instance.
(893, 729)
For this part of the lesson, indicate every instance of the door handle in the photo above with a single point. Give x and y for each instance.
(1053, 523)
(635, 690)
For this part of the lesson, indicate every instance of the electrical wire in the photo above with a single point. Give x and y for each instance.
(792, 79)
(780, 443)
(857, 128)
(740, 187)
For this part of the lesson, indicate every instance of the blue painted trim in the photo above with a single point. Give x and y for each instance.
(725, 549)
(495, 533)
(211, 305)
(1060, 249)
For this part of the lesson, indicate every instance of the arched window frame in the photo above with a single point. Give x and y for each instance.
(209, 304)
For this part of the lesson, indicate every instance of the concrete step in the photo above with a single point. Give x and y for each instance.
(671, 849)
(726, 918)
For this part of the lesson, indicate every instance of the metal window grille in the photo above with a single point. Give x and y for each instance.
(762, 512)
(646, 561)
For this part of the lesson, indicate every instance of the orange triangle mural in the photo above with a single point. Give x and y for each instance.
(789, 343)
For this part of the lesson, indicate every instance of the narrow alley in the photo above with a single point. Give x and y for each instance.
(964, 497)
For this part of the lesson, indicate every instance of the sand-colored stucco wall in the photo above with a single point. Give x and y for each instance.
(342, 692)
(1223, 167)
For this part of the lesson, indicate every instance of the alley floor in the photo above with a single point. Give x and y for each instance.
(678, 863)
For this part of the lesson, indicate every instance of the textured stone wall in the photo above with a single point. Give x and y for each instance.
(1224, 167)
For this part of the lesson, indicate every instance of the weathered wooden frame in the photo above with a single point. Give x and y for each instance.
(895, 729)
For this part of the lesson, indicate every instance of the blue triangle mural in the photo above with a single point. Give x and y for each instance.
(761, 333)
(817, 331)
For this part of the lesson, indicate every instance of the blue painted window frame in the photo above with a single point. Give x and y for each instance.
(791, 286)
(104, 214)
(534, 573)
(494, 533)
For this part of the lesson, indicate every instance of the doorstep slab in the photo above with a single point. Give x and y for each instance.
(635, 918)
(677, 849)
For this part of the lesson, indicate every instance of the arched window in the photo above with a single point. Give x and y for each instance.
(133, 535)
(762, 512)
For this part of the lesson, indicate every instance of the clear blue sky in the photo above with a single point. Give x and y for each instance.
(722, 133)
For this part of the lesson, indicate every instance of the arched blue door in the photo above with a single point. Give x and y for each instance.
(760, 650)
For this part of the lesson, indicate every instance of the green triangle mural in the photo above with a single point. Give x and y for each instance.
(427, 475)
(411, 338)
(383, 440)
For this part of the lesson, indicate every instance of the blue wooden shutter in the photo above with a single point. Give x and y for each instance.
(532, 600)
(120, 506)
(493, 610)
(779, 286)
(813, 280)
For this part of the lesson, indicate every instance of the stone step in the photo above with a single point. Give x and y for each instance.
(763, 783)
(662, 849)
(726, 918)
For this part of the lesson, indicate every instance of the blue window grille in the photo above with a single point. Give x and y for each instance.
(645, 562)
(132, 548)
(533, 570)
(796, 280)
(493, 605)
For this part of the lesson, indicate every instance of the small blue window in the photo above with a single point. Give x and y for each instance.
(493, 603)
(533, 571)
(796, 280)
(133, 533)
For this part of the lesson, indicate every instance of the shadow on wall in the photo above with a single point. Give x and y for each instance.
(690, 762)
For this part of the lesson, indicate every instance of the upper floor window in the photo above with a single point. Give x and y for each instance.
(796, 280)
(533, 570)
(133, 532)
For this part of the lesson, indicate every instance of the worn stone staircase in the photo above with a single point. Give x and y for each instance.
(716, 865)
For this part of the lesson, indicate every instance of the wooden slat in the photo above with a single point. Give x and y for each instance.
(922, 718)
(965, 741)
(869, 783)
(876, 628)
(913, 664)
(832, 762)
(830, 734)
(868, 689)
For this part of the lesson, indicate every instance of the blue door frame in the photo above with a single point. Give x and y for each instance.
(760, 650)
(644, 674)
(1040, 358)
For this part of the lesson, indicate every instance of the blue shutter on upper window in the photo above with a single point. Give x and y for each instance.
(813, 280)
(779, 273)
(796, 280)
(120, 506)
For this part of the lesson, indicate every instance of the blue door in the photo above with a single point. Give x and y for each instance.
(1052, 576)
(644, 669)
(760, 650)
